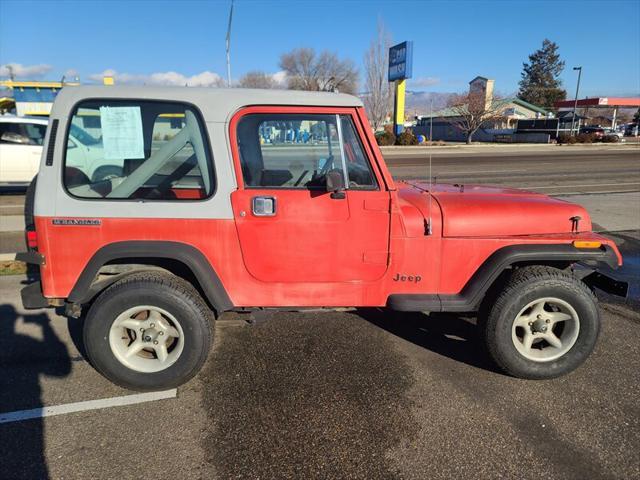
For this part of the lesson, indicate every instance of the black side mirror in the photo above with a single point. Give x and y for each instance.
(335, 183)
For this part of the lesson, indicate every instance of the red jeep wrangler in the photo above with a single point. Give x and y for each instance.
(244, 200)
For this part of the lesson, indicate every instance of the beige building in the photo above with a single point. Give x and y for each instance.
(442, 123)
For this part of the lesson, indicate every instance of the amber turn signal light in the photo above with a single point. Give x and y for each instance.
(587, 244)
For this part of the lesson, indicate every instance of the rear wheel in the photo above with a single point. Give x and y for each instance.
(149, 331)
(544, 324)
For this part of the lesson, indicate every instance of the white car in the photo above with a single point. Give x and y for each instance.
(21, 141)
(610, 132)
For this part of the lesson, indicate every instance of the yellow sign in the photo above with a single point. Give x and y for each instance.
(398, 117)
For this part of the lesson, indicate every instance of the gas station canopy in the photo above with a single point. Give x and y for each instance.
(607, 102)
(602, 102)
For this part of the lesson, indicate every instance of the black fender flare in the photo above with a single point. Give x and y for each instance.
(193, 258)
(472, 294)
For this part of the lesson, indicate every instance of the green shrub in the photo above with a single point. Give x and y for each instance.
(385, 138)
(407, 138)
(585, 138)
(610, 139)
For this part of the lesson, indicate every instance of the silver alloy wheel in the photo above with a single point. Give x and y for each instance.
(146, 339)
(545, 329)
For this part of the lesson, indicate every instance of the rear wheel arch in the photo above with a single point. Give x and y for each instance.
(180, 259)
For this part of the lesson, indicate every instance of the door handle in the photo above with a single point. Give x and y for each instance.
(263, 206)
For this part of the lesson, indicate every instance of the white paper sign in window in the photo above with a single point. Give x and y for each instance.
(122, 136)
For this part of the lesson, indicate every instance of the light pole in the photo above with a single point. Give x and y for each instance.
(575, 102)
(228, 45)
(431, 121)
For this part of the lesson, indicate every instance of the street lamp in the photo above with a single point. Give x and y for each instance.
(228, 45)
(575, 102)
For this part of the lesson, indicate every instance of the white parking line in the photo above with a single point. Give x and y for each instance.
(21, 415)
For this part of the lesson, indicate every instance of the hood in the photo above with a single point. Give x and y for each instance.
(478, 211)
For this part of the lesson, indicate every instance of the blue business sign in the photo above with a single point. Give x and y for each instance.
(400, 61)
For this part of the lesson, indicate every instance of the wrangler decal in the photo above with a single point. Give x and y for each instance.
(76, 221)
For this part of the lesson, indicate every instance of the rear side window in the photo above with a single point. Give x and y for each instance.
(297, 151)
(120, 149)
(22, 133)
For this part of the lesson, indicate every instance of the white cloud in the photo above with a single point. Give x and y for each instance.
(24, 71)
(280, 77)
(424, 81)
(203, 79)
(71, 73)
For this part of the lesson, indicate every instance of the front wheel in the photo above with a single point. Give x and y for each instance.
(148, 331)
(544, 324)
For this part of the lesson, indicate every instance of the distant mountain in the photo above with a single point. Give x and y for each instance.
(419, 103)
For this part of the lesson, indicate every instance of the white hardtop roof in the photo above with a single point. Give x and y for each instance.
(16, 119)
(216, 104)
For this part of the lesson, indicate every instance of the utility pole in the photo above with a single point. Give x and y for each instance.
(431, 121)
(228, 42)
(575, 102)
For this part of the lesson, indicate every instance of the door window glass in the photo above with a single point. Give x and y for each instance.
(297, 151)
(35, 133)
(137, 150)
(15, 133)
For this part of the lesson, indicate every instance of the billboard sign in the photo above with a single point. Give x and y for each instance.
(400, 61)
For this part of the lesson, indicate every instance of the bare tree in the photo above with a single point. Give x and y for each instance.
(377, 98)
(325, 72)
(257, 79)
(471, 111)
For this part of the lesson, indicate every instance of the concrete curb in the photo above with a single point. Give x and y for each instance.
(507, 146)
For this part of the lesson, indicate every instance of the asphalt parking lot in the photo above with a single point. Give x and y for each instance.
(358, 394)
(353, 394)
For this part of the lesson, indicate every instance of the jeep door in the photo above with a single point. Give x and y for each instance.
(291, 229)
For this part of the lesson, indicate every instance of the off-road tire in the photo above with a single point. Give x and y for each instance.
(526, 285)
(164, 291)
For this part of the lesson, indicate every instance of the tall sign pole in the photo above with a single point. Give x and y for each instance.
(228, 45)
(400, 68)
(575, 102)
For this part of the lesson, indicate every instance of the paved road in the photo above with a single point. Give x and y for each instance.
(554, 171)
(323, 395)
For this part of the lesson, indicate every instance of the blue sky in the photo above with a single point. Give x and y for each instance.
(453, 41)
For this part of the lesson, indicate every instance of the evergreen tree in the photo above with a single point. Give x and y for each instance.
(540, 84)
(636, 116)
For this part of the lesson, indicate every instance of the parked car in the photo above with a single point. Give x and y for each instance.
(614, 134)
(597, 132)
(21, 142)
(631, 130)
(207, 216)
